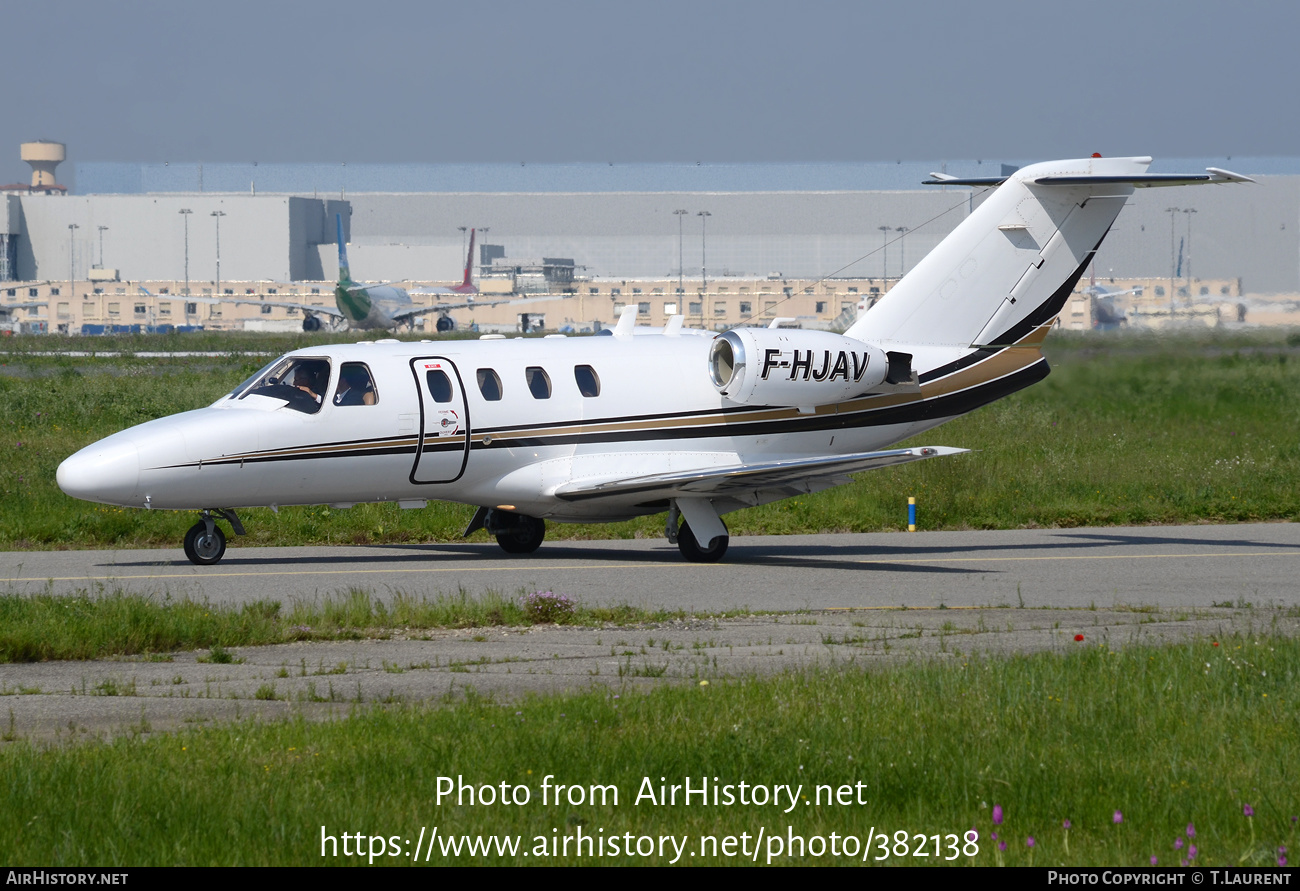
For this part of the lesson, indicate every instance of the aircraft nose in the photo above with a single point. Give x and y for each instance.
(107, 471)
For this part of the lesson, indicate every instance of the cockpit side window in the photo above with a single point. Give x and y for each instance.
(356, 386)
(298, 380)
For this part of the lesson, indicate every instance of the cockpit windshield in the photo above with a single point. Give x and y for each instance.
(299, 380)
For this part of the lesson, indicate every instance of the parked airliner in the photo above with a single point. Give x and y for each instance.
(652, 420)
(384, 306)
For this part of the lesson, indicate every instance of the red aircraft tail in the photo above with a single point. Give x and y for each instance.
(467, 285)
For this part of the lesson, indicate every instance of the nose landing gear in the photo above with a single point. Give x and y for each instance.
(205, 543)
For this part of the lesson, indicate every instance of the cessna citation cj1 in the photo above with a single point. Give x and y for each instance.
(652, 419)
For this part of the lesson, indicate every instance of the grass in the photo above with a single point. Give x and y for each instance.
(1127, 430)
(42, 627)
(1190, 734)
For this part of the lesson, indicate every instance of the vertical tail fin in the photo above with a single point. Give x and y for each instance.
(1010, 266)
(345, 274)
(469, 261)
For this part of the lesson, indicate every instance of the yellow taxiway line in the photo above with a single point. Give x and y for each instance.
(538, 567)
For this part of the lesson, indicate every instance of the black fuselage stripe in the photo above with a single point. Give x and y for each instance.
(949, 405)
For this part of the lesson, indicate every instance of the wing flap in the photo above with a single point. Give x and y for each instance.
(739, 478)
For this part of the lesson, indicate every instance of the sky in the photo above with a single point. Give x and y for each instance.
(701, 80)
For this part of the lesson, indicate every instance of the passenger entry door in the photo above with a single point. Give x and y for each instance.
(442, 449)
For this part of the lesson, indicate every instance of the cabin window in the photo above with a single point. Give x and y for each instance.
(439, 385)
(489, 384)
(356, 386)
(588, 382)
(539, 382)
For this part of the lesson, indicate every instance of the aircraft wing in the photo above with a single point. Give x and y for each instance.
(804, 474)
(331, 311)
(467, 304)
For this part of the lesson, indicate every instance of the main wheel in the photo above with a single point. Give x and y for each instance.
(203, 549)
(523, 536)
(694, 552)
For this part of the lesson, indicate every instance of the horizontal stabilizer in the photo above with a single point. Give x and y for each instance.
(944, 179)
(1147, 180)
(1141, 181)
(748, 477)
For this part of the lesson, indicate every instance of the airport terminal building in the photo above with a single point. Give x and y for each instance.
(718, 243)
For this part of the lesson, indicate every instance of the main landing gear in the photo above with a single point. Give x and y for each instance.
(693, 551)
(687, 542)
(205, 543)
(516, 533)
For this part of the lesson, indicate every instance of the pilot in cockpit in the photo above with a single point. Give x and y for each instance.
(307, 379)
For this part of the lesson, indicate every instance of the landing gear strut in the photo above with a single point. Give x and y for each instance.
(205, 543)
(684, 536)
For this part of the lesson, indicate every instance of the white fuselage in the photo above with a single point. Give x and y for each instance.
(656, 412)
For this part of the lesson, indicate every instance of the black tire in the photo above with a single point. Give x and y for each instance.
(203, 549)
(524, 536)
(692, 550)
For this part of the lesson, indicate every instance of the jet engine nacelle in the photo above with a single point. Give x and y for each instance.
(785, 366)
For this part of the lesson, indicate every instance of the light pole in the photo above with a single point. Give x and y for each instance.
(681, 285)
(902, 248)
(217, 215)
(102, 230)
(72, 232)
(884, 259)
(1172, 255)
(463, 230)
(185, 213)
(1188, 211)
(704, 269)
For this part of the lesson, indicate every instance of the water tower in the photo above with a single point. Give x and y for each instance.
(44, 156)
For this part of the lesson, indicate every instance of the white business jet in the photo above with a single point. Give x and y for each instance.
(650, 420)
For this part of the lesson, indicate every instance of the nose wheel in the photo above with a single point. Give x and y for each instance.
(205, 543)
